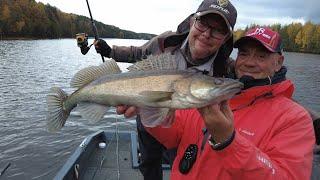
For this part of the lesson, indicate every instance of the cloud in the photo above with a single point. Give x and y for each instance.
(270, 12)
(147, 16)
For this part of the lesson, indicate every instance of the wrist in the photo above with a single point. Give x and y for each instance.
(107, 53)
(221, 132)
(217, 146)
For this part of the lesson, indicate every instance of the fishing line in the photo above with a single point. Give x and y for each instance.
(117, 150)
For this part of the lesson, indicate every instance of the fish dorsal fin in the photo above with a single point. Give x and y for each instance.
(164, 61)
(89, 74)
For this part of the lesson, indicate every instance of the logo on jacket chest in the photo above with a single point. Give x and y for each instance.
(246, 132)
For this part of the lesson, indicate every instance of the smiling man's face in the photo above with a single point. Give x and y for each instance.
(256, 61)
(201, 43)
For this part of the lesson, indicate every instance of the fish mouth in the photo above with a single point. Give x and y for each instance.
(233, 88)
(226, 93)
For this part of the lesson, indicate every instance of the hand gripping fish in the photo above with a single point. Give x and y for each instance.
(152, 83)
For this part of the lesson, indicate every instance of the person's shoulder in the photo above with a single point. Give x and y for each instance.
(291, 109)
(166, 33)
(161, 36)
(287, 103)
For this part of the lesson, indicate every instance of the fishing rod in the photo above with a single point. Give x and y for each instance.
(82, 38)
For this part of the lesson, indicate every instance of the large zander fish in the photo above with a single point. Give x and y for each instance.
(151, 83)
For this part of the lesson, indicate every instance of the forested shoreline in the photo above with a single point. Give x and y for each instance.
(27, 19)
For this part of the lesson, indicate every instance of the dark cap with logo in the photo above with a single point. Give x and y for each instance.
(222, 7)
(267, 37)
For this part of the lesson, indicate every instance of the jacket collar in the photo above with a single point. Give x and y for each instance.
(255, 94)
(250, 82)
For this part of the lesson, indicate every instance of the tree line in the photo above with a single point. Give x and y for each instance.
(29, 19)
(296, 37)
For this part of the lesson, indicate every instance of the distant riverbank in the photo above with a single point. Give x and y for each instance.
(33, 38)
(17, 38)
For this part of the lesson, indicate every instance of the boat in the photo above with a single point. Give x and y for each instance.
(108, 155)
(114, 154)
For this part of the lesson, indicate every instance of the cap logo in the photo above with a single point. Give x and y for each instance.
(223, 3)
(214, 6)
(260, 32)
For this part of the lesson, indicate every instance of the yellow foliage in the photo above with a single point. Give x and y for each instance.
(5, 13)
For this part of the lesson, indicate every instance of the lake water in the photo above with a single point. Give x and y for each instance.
(29, 68)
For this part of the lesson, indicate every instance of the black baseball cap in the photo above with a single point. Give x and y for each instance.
(224, 8)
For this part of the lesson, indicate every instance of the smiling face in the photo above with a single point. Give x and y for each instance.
(203, 43)
(256, 61)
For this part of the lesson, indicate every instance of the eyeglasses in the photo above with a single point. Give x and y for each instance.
(217, 31)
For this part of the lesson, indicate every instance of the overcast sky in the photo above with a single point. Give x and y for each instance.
(150, 16)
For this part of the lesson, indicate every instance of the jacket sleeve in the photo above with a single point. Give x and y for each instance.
(133, 54)
(170, 137)
(287, 156)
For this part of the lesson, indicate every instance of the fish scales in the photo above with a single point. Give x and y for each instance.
(127, 90)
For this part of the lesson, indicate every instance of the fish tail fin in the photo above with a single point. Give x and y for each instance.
(57, 115)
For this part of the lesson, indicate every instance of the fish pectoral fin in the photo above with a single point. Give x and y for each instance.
(93, 112)
(89, 74)
(157, 96)
(151, 117)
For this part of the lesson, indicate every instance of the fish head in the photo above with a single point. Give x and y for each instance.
(213, 90)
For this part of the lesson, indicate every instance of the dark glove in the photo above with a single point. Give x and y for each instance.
(84, 49)
(102, 48)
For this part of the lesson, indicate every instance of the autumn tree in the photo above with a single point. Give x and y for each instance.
(27, 18)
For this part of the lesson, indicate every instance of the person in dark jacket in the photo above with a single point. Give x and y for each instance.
(202, 42)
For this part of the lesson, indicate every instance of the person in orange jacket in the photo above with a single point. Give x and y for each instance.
(261, 133)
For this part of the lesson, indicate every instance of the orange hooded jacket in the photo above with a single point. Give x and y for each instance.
(274, 138)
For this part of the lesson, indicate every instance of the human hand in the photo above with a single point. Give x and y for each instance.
(127, 111)
(219, 120)
(102, 47)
